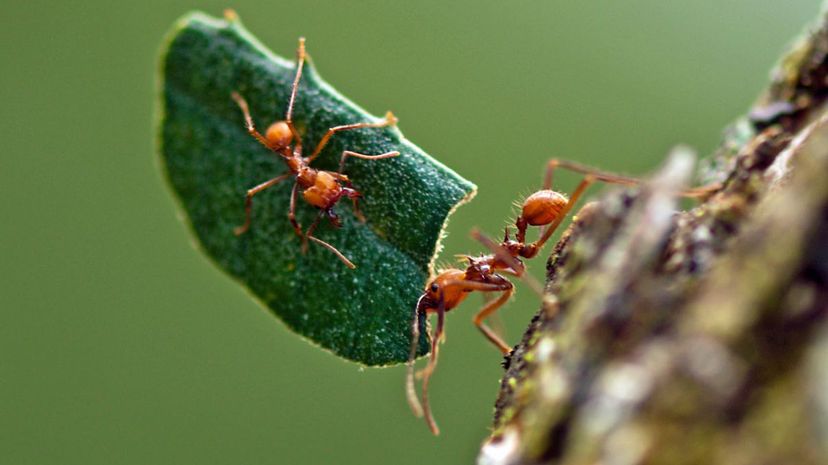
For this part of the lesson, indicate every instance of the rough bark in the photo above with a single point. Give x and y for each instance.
(698, 336)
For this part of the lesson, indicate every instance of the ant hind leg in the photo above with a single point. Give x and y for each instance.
(309, 236)
(595, 173)
(335, 251)
(613, 178)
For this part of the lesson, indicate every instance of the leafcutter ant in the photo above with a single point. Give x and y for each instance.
(322, 189)
(487, 273)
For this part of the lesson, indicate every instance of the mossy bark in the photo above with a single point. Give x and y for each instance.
(698, 336)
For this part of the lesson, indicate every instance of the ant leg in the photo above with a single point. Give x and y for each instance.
(292, 211)
(248, 120)
(248, 201)
(597, 174)
(436, 337)
(612, 178)
(348, 153)
(333, 249)
(309, 235)
(354, 195)
(349, 191)
(518, 269)
(506, 287)
(390, 120)
(310, 230)
(484, 313)
(300, 63)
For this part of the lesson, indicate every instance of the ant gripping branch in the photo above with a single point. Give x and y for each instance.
(322, 189)
(546, 208)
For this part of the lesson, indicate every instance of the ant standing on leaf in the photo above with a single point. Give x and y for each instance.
(546, 208)
(322, 189)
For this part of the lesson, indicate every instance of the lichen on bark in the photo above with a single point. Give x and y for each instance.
(692, 336)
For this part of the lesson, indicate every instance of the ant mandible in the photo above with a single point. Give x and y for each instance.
(545, 208)
(322, 189)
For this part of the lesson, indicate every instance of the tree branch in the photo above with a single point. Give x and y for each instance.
(696, 336)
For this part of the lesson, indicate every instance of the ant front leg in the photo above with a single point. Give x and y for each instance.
(436, 338)
(248, 201)
(424, 408)
(488, 309)
(501, 285)
(248, 120)
(300, 63)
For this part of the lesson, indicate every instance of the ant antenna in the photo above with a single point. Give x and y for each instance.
(410, 388)
(300, 62)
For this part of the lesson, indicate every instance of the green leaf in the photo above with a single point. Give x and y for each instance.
(210, 161)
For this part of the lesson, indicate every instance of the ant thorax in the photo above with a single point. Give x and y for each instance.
(513, 247)
(305, 175)
(478, 271)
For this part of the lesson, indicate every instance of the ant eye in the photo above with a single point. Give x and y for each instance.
(434, 287)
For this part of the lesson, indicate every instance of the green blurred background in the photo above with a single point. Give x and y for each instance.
(120, 344)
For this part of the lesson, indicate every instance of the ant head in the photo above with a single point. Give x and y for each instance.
(443, 291)
(434, 289)
(543, 207)
(431, 297)
(279, 135)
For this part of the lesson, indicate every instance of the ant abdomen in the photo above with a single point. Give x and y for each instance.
(543, 207)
